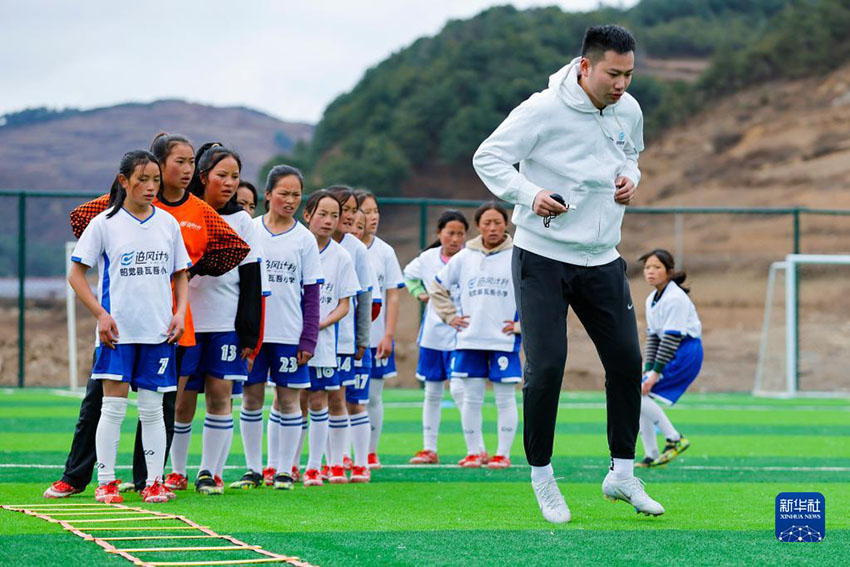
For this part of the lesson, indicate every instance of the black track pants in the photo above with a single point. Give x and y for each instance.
(600, 297)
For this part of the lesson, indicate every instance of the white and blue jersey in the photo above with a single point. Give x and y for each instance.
(674, 314)
(347, 327)
(136, 259)
(389, 276)
(290, 261)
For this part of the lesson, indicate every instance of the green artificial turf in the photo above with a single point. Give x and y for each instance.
(719, 495)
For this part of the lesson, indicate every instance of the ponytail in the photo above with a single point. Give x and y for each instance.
(129, 162)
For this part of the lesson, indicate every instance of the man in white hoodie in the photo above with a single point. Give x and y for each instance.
(579, 138)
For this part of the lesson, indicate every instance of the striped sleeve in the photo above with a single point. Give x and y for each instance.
(651, 351)
(225, 249)
(83, 214)
(666, 350)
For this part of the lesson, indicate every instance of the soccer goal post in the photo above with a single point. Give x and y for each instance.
(778, 373)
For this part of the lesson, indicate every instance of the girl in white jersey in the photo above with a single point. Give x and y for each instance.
(340, 283)
(673, 354)
(436, 339)
(349, 420)
(139, 251)
(488, 338)
(390, 282)
(294, 275)
(226, 313)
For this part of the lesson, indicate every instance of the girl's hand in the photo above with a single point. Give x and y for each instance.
(358, 354)
(323, 324)
(460, 322)
(385, 347)
(509, 328)
(107, 330)
(175, 329)
(650, 379)
(423, 297)
(304, 357)
(246, 356)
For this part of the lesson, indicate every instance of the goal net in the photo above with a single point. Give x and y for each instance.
(804, 334)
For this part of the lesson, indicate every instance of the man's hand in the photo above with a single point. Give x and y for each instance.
(650, 379)
(625, 190)
(546, 206)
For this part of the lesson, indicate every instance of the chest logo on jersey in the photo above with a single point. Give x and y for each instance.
(326, 295)
(488, 285)
(190, 225)
(281, 271)
(144, 263)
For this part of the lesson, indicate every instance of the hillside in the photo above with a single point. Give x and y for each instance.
(80, 150)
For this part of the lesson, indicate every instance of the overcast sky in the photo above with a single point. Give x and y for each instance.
(286, 58)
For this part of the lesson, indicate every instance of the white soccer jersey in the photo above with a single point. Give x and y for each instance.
(340, 281)
(290, 261)
(367, 278)
(673, 313)
(486, 296)
(135, 260)
(389, 276)
(215, 300)
(433, 333)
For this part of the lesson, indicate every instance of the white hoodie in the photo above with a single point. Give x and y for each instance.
(563, 143)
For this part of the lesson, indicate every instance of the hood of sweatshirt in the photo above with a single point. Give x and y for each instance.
(477, 243)
(564, 83)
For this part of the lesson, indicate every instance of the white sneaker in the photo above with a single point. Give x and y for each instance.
(631, 490)
(551, 501)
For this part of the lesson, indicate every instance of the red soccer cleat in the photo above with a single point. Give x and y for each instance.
(176, 481)
(347, 463)
(268, 476)
(337, 475)
(425, 457)
(154, 493)
(312, 477)
(108, 493)
(296, 474)
(499, 462)
(325, 472)
(360, 474)
(60, 489)
(470, 462)
(374, 461)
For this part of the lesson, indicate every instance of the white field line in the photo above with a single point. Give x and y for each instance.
(518, 466)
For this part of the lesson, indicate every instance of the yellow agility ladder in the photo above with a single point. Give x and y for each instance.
(82, 519)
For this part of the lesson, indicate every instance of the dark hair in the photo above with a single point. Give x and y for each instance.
(163, 143)
(315, 198)
(129, 162)
(250, 187)
(362, 194)
(342, 193)
(669, 263)
(449, 215)
(206, 158)
(599, 39)
(278, 172)
(491, 206)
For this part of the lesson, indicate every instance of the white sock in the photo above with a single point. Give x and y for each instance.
(216, 430)
(653, 411)
(431, 414)
(360, 432)
(623, 468)
(225, 452)
(297, 461)
(470, 415)
(375, 407)
(337, 426)
(318, 436)
(107, 436)
(251, 427)
(456, 389)
(647, 435)
(180, 447)
(539, 474)
(288, 438)
(272, 439)
(149, 404)
(508, 417)
(346, 452)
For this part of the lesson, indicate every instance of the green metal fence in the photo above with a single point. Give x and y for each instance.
(423, 205)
